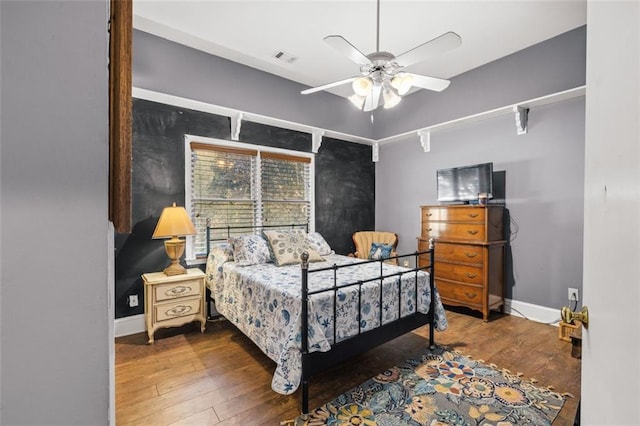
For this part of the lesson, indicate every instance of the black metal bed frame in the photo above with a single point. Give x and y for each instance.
(314, 362)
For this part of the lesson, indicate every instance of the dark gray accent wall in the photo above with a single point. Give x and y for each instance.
(55, 316)
(543, 172)
(167, 67)
(552, 66)
(344, 182)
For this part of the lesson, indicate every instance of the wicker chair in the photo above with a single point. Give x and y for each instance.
(364, 239)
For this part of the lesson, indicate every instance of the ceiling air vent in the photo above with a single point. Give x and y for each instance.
(285, 57)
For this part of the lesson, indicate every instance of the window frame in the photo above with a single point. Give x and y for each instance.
(190, 256)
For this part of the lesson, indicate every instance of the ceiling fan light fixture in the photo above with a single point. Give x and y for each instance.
(402, 83)
(391, 98)
(357, 100)
(362, 86)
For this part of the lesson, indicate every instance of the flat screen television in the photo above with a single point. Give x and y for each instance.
(463, 184)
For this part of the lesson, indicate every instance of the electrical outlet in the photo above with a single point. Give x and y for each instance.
(573, 294)
(133, 300)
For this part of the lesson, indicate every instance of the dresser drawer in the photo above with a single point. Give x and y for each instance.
(462, 273)
(452, 214)
(184, 288)
(454, 231)
(459, 253)
(466, 294)
(177, 309)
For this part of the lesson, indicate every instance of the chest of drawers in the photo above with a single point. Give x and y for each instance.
(469, 254)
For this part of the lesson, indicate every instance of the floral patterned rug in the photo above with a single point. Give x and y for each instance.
(441, 388)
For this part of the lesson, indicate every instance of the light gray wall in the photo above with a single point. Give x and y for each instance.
(53, 179)
(170, 68)
(544, 192)
(551, 66)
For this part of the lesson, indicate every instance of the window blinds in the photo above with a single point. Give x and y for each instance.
(242, 187)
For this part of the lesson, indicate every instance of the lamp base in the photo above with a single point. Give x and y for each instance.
(174, 269)
(174, 248)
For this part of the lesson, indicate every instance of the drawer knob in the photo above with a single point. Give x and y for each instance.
(177, 291)
(429, 229)
(470, 275)
(471, 295)
(473, 214)
(429, 214)
(471, 255)
(472, 231)
(178, 311)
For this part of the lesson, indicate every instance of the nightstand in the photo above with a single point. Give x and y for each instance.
(172, 301)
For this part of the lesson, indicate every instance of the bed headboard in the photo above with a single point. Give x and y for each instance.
(223, 233)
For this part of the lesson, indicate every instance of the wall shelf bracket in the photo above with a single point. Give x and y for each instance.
(522, 119)
(316, 140)
(375, 152)
(425, 139)
(236, 123)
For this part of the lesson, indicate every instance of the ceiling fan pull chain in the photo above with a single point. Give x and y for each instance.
(378, 29)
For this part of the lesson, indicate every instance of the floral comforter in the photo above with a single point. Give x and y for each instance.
(263, 301)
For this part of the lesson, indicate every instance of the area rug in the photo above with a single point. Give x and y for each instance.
(441, 387)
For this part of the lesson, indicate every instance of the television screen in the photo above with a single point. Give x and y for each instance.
(465, 183)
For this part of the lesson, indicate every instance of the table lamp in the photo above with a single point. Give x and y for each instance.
(174, 222)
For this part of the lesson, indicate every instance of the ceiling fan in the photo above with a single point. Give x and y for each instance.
(382, 74)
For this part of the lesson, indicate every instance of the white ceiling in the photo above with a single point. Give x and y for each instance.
(251, 32)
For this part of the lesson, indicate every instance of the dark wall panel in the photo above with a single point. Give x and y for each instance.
(345, 189)
(345, 178)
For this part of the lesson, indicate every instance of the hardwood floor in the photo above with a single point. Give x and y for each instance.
(221, 378)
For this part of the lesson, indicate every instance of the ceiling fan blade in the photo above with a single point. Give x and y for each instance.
(342, 45)
(429, 83)
(328, 85)
(373, 98)
(440, 44)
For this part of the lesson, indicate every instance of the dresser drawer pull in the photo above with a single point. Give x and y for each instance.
(470, 275)
(178, 311)
(429, 214)
(177, 291)
(473, 215)
(429, 229)
(471, 295)
(471, 255)
(472, 231)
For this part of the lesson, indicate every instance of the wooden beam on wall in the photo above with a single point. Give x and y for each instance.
(120, 46)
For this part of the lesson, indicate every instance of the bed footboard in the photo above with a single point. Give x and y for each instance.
(314, 362)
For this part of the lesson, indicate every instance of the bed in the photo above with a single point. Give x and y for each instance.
(315, 308)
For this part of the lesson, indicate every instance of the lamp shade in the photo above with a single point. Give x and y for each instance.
(174, 221)
(362, 86)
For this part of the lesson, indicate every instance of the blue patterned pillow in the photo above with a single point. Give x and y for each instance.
(319, 244)
(380, 251)
(250, 250)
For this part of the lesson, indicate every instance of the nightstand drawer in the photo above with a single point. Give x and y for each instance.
(181, 308)
(173, 290)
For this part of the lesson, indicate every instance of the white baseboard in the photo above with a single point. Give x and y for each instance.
(135, 324)
(129, 325)
(532, 312)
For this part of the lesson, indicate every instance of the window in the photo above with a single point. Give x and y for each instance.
(237, 184)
